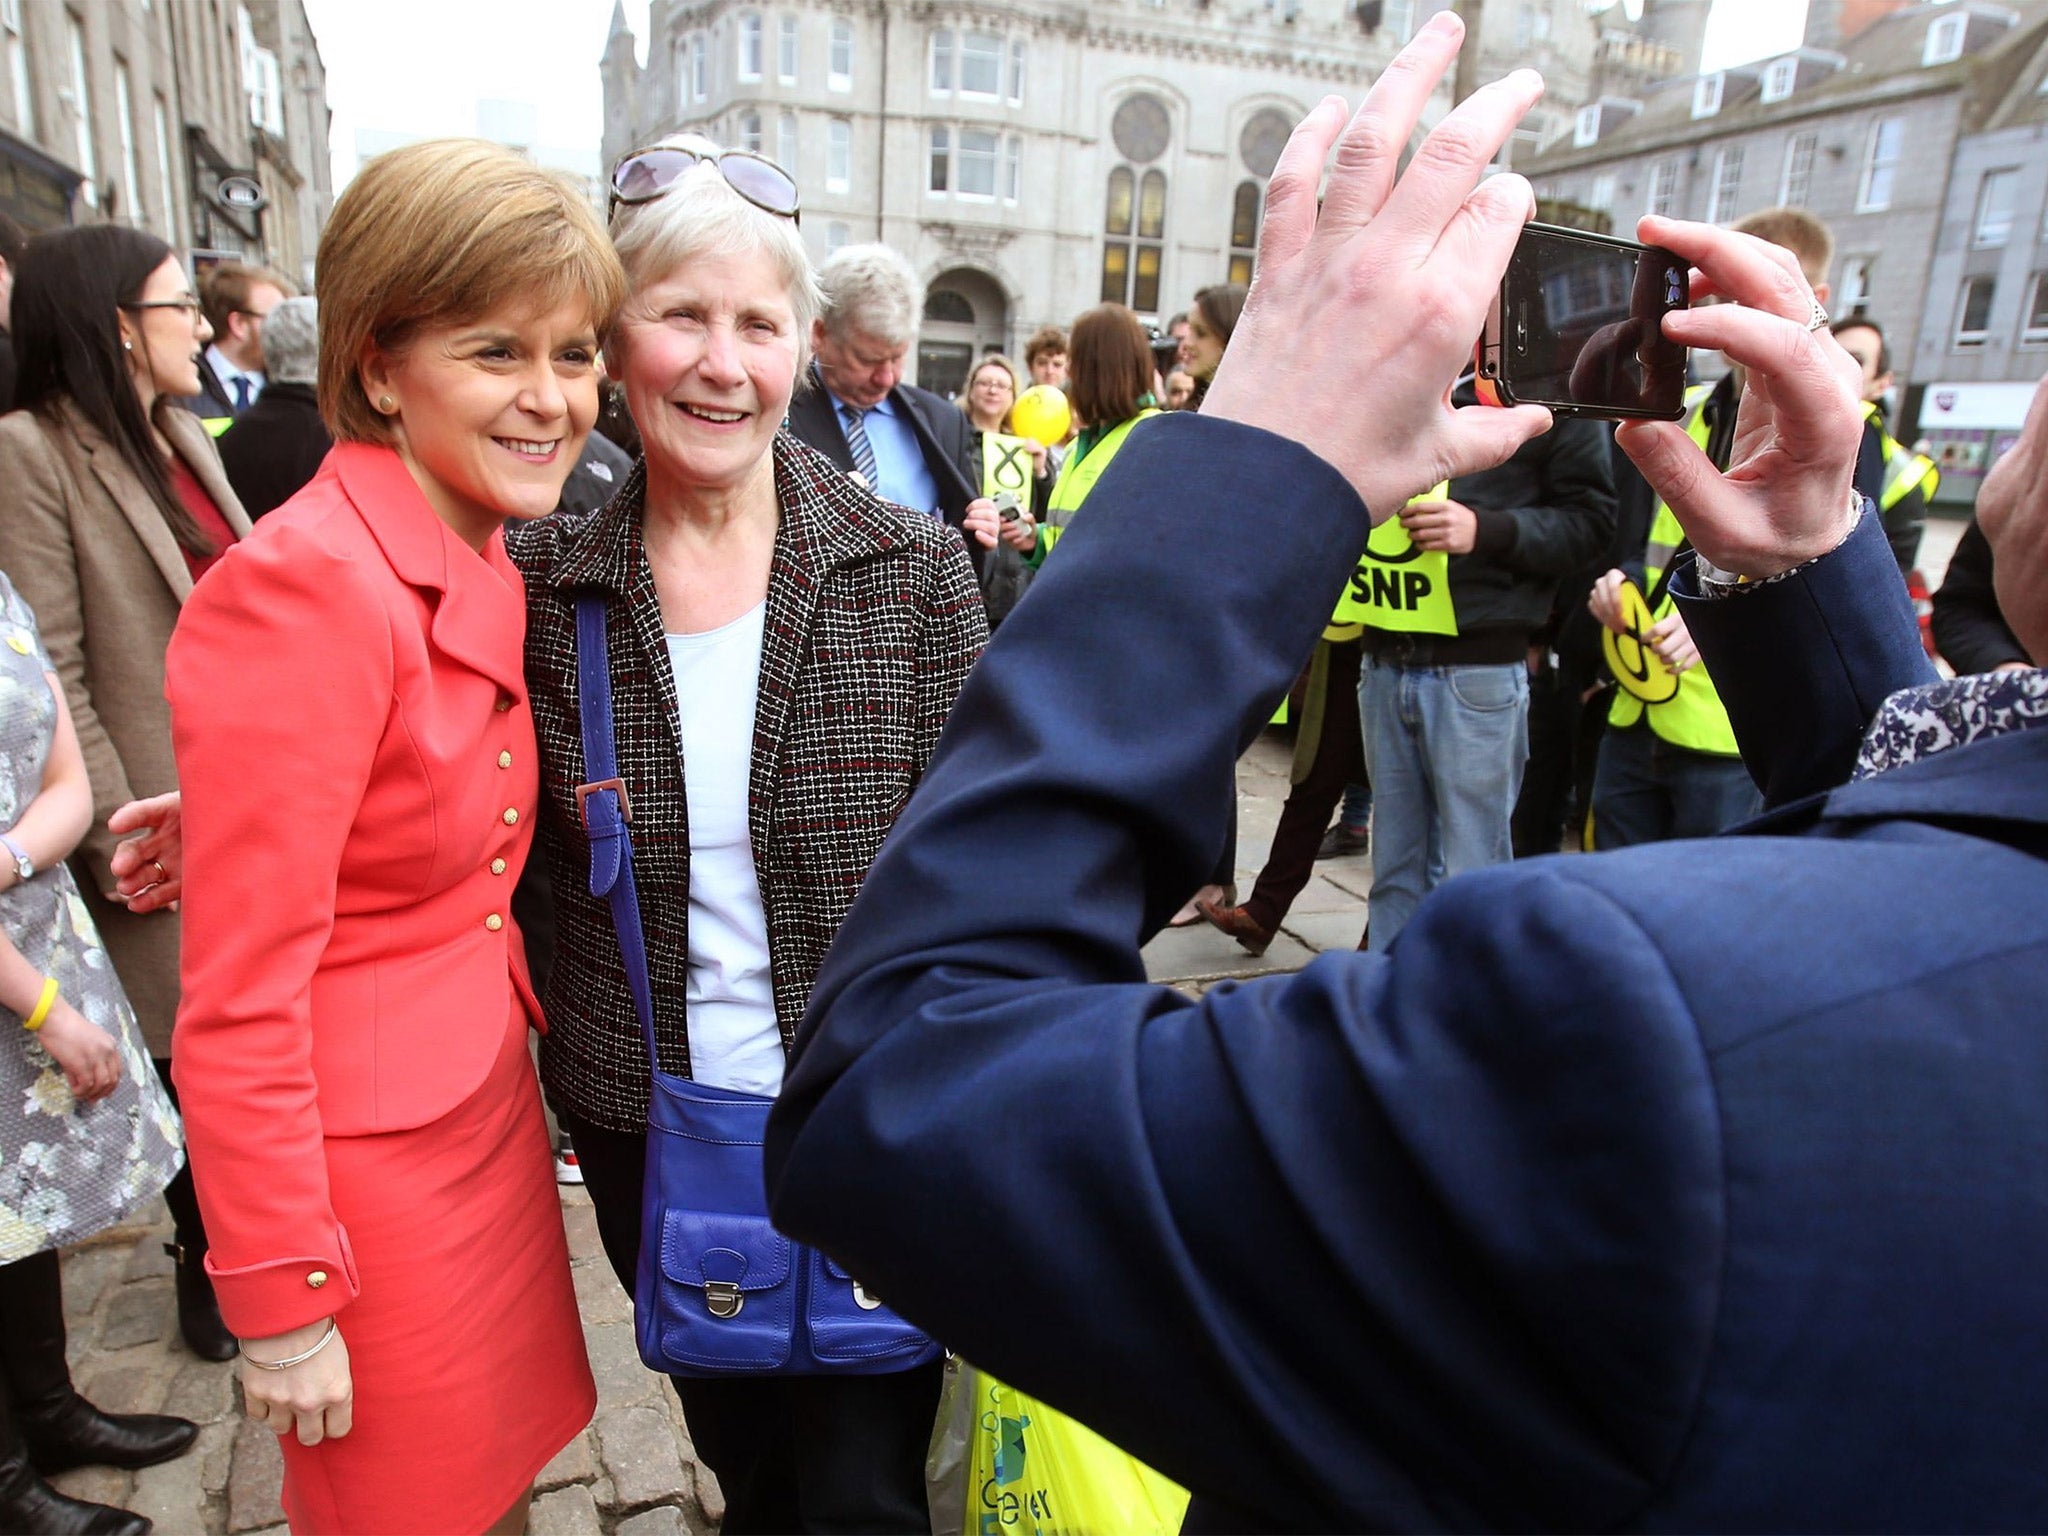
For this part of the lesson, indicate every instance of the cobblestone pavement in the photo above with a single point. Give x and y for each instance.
(632, 1473)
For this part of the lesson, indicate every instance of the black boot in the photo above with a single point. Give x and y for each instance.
(31, 1506)
(60, 1428)
(198, 1311)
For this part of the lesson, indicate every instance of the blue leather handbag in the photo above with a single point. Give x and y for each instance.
(718, 1292)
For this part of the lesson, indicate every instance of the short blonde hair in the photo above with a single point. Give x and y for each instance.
(442, 233)
(1796, 230)
(702, 216)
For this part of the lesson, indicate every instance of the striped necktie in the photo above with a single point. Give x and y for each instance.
(857, 442)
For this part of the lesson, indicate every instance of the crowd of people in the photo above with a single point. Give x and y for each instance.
(617, 561)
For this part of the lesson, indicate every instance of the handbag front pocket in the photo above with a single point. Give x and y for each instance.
(850, 1327)
(727, 1298)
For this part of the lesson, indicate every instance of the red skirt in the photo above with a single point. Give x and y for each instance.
(465, 1344)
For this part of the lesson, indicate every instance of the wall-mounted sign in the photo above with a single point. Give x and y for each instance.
(244, 194)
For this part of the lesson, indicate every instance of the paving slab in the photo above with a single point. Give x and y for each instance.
(565, 1512)
(1325, 931)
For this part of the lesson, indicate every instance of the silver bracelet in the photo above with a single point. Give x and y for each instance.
(291, 1360)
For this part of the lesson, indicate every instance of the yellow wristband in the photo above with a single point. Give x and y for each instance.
(44, 1004)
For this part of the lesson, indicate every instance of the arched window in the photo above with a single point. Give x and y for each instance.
(1244, 230)
(945, 305)
(1134, 206)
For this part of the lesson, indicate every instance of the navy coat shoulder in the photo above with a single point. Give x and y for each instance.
(1701, 1186)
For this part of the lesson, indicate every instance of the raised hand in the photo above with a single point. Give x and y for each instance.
(1785, 496)
(1365, 311)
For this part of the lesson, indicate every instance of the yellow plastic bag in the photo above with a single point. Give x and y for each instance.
(1032, 1471)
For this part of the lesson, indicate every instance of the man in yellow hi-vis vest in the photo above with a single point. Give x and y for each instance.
(1909, 478)
(1668, 765)
(1452, 591)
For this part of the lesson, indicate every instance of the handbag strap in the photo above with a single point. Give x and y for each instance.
(606, 810)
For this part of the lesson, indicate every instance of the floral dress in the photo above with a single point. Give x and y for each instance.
(66, 1170)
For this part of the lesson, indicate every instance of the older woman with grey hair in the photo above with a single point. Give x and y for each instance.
(276, 445)
(783, 649)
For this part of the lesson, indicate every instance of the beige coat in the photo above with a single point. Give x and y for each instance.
(85, 544)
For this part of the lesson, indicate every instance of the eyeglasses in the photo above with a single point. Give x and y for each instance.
(188, 304)
(646, 174)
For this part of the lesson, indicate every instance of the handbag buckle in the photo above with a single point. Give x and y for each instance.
(585, 791)
(722, 1298)
(863, 1300)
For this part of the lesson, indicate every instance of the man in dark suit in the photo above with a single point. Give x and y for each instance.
(272, 449)
(907, 444)
(1697, 1186)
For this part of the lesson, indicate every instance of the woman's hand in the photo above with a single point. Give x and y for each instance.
(1785, 497)
(314, 1400)
(1605, 601)
(149, 871)
(1038, 452)
(1372, 288)
(87, 1053)
(1672, 643)
(987, 525)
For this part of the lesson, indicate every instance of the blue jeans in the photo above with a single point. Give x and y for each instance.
(1444, 748)
(1647, 791)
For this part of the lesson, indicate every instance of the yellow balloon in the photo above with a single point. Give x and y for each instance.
(1042, 413)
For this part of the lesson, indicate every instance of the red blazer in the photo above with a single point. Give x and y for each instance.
(359, 775)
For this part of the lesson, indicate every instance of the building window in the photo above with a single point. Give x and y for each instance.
(1796, 185)
(840, 74)
(1973, 314)
(1586, 126)
(163, 172)
(750, 45)
(785, 50)
(1134, 226)
(1727, 184)
(1532, 25)
(1245, 211)
(1013, 169)
(1706, 94)
(131, 171)
(1994, 207)
(81, 115)
(978, 149)
(2035, 332)
(1944, 39)
(1880, 161)
(700, 68)
(942, 61)
(785, 141)
(1852, 294)
(17, 69)
(1778, 79)
(1398, 17)
(941, 159)
(839, 156)
(1602, 195)
(1663, 187)
(970, 63)
(1016, 73)
(750, 131)
(837, 234)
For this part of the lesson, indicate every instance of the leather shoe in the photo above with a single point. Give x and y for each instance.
(1239, 924)
(1341, 842)
(73, 1433)
(198, 1310)
(29, 1504)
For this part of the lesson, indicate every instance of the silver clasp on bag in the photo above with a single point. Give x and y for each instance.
(863, 1300)
(722, 1298)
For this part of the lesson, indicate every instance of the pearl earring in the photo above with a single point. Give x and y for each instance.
(127, 345)
(386, 404)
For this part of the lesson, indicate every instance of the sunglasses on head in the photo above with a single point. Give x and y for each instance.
(646, 174)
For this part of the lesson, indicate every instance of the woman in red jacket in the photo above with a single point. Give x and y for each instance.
(359, 775)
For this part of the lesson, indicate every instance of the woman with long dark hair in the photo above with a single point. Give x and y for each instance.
(116, 503)
(1211, 320)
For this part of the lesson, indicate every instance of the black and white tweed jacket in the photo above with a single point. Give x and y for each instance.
(873, 620)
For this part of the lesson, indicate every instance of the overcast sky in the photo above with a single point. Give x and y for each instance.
(418, 68)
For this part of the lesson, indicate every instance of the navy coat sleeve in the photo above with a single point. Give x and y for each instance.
(1406, 1241)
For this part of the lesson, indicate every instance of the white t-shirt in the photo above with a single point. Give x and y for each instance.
(734, 1039)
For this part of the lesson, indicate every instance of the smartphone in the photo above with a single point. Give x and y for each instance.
(1578, 326)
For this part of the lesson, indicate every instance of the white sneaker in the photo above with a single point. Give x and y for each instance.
(567, 1169)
